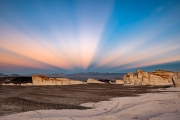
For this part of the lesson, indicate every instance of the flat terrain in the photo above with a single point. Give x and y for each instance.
(15, 99)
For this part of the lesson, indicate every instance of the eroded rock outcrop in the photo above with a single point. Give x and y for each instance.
(120, 82)
(158, 77)
(43, 80)
(161, 77)
(90, 80)
(176, 79)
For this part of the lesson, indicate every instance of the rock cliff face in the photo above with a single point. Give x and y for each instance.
(158, 77)
(43, 80)
(176, 79)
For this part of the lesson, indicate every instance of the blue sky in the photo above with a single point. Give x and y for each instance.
(89, 35)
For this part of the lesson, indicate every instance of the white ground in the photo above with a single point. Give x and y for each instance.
(156, 106)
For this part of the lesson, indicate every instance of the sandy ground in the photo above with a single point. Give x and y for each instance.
(150, 106)
(18, 99)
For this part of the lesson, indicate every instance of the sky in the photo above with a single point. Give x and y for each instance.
(71, 36)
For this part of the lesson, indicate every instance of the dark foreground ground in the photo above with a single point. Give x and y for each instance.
(15, 99)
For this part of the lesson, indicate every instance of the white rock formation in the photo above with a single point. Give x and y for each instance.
(90, 80)
(161, 77)
(26, 84)
(43, 80)
(8, 84)
(121, 82)
(176, 79)
(158, 77)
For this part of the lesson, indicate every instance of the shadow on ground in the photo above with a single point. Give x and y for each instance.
(15, 99)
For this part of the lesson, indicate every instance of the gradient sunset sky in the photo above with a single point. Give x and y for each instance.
(70, 36)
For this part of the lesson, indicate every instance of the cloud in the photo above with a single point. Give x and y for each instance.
(159, 9)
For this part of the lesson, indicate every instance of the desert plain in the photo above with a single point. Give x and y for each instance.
(143, 95)
(89, 101)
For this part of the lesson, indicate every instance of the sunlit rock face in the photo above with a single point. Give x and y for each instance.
(43, 80)
(130, 78)
(142, 77)
(176, 79)
(158, 77)
(161, 77)
(90, 80)
(121, 82)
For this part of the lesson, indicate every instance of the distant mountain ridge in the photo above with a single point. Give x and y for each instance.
(86, 75)
(47, 74)
(75, 76)
(11, 75)
(3, 75)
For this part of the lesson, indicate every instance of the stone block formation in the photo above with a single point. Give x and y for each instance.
(90, 80)
(157, 77)
(43, 80)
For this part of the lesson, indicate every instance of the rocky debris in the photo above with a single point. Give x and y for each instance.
(120, 82)
(90, 80)
(23, 84)
(8, 84)
(43, 80)
(16, 80)
(158, 77)
(5, 79)
(76, 82)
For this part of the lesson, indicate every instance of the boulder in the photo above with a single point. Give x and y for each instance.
(90, 80)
